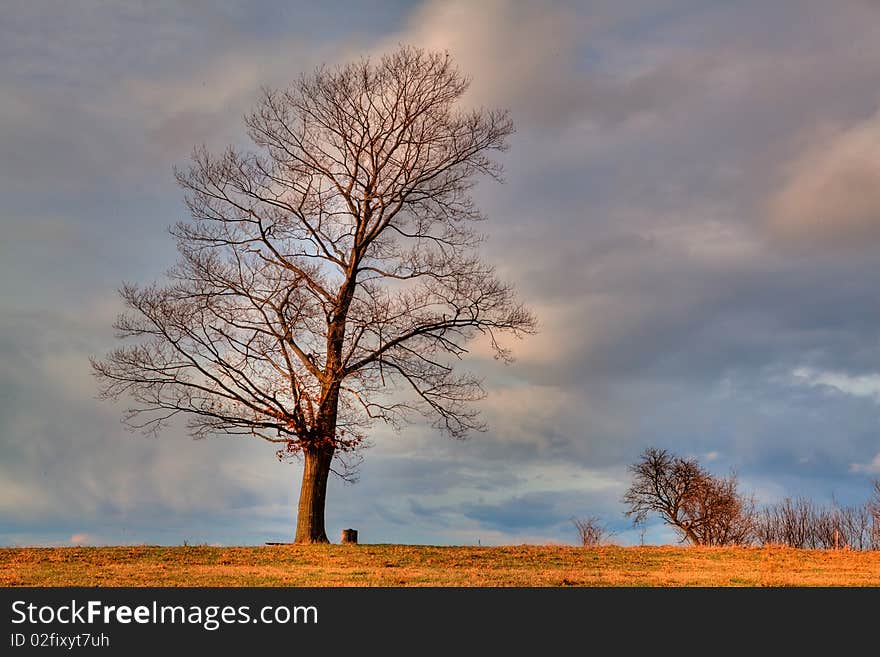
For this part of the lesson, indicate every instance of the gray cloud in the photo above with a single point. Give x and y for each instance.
(651, 142)
(831, 194)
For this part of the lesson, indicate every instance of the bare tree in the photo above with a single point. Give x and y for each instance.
(591, 532)
(719, 514)
(790, 522)
(800, 523)
(325, 273)
(703, 509)
(874, 510)
(852, 527)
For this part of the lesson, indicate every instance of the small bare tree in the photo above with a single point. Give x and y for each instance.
(800, 523)
(703, 509)
(590, 530)
(326, 273)
(790, 522)
(874, 510)
(852, 527)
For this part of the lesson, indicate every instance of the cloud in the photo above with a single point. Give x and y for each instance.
(99, 99)
(202, 101)
(538, 61)
(871, 468)
(22, 498)
(831, 192)
(866, 385)
(82, 538)
(647, 134)
(516, 53)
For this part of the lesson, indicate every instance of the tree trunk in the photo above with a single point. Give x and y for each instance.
(313, 495)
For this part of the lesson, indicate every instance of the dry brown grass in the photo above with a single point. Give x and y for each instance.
(411, 565)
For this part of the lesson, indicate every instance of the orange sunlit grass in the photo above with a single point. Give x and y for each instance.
(408, 565)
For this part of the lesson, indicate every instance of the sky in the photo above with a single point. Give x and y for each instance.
(691, 208)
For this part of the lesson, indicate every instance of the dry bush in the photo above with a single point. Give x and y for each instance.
(591, 532)
(800, 523)
(874, 510)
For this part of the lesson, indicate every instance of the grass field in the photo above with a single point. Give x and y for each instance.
(410, 565)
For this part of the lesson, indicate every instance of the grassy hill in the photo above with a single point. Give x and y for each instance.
(413, 565)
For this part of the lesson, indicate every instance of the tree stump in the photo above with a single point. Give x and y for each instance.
(349, 536)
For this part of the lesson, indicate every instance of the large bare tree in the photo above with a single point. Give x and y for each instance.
(330, 278)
